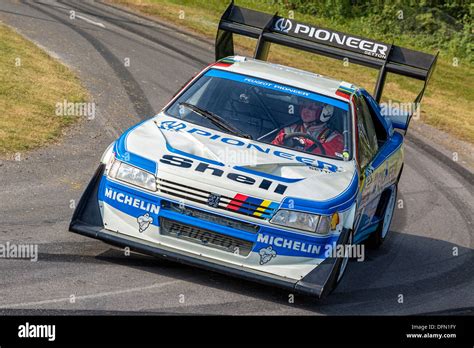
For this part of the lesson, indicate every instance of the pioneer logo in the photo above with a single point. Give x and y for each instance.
(284, 25)
(335, 39)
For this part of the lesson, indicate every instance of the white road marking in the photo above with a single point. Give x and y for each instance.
(90, 21)
(76, 15)
(84, 297)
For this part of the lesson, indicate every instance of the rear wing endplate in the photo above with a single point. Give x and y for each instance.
(269, 29)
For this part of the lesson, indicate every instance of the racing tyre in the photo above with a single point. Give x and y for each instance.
(344, 262)
(385, 209)
(341, 268)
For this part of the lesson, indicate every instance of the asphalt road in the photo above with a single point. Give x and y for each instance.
(428, 258)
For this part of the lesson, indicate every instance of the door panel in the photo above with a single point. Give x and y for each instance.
(378, 172)
(379, 175)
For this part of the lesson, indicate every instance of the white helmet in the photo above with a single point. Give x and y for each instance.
(326, 113)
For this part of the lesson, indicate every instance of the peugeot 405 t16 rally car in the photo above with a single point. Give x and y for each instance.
(258, 170)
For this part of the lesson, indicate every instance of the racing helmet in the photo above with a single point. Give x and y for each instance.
(326, 113)
(314, 113)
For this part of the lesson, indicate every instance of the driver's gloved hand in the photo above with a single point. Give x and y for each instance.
(298, 142)
(302, 143)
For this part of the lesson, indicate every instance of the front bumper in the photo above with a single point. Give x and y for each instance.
(87, 221)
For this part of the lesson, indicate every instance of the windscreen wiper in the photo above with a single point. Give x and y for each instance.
(216, 120)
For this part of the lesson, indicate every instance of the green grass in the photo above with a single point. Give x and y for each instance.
(447, 105)
(31, 83)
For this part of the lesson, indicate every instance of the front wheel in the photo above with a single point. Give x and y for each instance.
(385, 210)
(342, 265)
(344, 261)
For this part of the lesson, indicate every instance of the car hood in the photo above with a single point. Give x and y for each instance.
(184, 152)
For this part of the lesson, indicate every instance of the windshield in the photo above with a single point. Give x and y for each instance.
(268, 112)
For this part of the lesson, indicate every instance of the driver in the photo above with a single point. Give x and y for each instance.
(314, 122)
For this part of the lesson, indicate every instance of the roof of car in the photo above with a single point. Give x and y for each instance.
(288, 76)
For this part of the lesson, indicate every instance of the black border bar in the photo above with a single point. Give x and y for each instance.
(248, 330)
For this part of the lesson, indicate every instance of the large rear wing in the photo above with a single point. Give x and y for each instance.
(269, 29)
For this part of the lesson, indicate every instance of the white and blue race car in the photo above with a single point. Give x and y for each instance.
(258, 170)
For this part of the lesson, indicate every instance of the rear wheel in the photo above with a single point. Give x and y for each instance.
(385, 210)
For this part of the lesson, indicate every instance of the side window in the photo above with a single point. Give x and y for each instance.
(368, 145)
(380, 130)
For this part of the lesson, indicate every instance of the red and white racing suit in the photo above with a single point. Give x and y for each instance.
(331, 140)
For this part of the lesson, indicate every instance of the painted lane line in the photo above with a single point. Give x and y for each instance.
(91, 296)
(76, 15)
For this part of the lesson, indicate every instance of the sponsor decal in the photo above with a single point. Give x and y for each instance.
(369, 171)
(144, 222)
(218, 171)
(378, 178)
(266, 254)
(129, 200)
(250, 205)
(290, 244)
(348, 42)
(254, 81)
(315, 163)
(345, 90)
(225, 62)
(291, 247)
(276, 86)
(283, 25)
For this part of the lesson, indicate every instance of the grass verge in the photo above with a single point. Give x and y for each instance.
(448, 104)
(31, 84)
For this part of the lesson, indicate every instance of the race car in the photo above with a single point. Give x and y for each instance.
(258, 170)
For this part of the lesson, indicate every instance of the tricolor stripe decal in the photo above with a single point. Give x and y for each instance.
(236, 202)
(252, 206)
(344, 91)
(262, 209)
(224, 63)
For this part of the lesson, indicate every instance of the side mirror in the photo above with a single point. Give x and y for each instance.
(400, 119)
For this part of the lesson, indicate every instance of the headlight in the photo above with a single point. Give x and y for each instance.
(306, 221)
(301, 221)
(132, 175)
